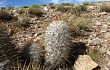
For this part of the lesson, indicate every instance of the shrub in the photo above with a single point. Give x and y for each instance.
(86, 3)
(5, 15)
(94, 54)
(52, 7)
(35, 10)
(67, 4)
(21, 11)
(79, 9)
(44, 5)
(62, 8)
(24, 23)
(82, 23)
(50, 4)
(35, 6)
(10, 7)
(25, 7)
(105, 7)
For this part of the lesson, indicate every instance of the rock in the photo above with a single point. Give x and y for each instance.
(103, 49)
(84, 62)
(98, 23)
(108, 17)
(89, 8)
(104, 28)
(108, 23)
(45, 9)
(94, 42)
(108, 51)
(103, 13)
(107, 36)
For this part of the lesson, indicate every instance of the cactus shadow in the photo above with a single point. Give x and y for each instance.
(78, 48)
(8, 51)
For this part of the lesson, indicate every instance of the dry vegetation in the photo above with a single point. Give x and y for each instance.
(73, 17)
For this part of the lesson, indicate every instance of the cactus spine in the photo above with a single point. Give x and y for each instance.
(57, 43)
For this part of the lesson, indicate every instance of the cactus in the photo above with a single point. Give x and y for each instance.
(32, 53)
(57, 44)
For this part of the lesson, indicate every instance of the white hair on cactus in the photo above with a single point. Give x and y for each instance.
(57, 41)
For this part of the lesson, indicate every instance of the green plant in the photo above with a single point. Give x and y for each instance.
(50, 4)
(35, 6)
(24, 23)
(10, 7)
(52, 7)
(21, 11)
(94, 54)
(44, 5)
(86, 3)
(82, 23)
(62, 8)
(35, 10)
(25, 7)
(67, 4)
(80, 8)
(5, 15)
(77, 10)
(65, 7)
(105, 7)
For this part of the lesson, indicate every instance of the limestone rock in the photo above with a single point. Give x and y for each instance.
(84, 62)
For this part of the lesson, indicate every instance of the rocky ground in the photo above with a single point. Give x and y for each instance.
(96, 39)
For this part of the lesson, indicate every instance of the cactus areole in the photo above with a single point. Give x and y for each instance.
(57, 41)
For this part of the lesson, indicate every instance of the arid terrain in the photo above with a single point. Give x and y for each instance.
(23, 36)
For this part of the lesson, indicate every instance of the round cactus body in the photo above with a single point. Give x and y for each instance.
(32, 53)
(57, 41)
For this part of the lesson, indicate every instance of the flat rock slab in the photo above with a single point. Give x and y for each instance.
(84, 62)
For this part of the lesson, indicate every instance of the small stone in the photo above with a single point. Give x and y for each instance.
(94, 42)
(108, 17)
(98, 23)
(104, 28)
(108, 23)
(103, 49)
(103, 13)
(107, 35)
(108, 51)
(84, 62)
